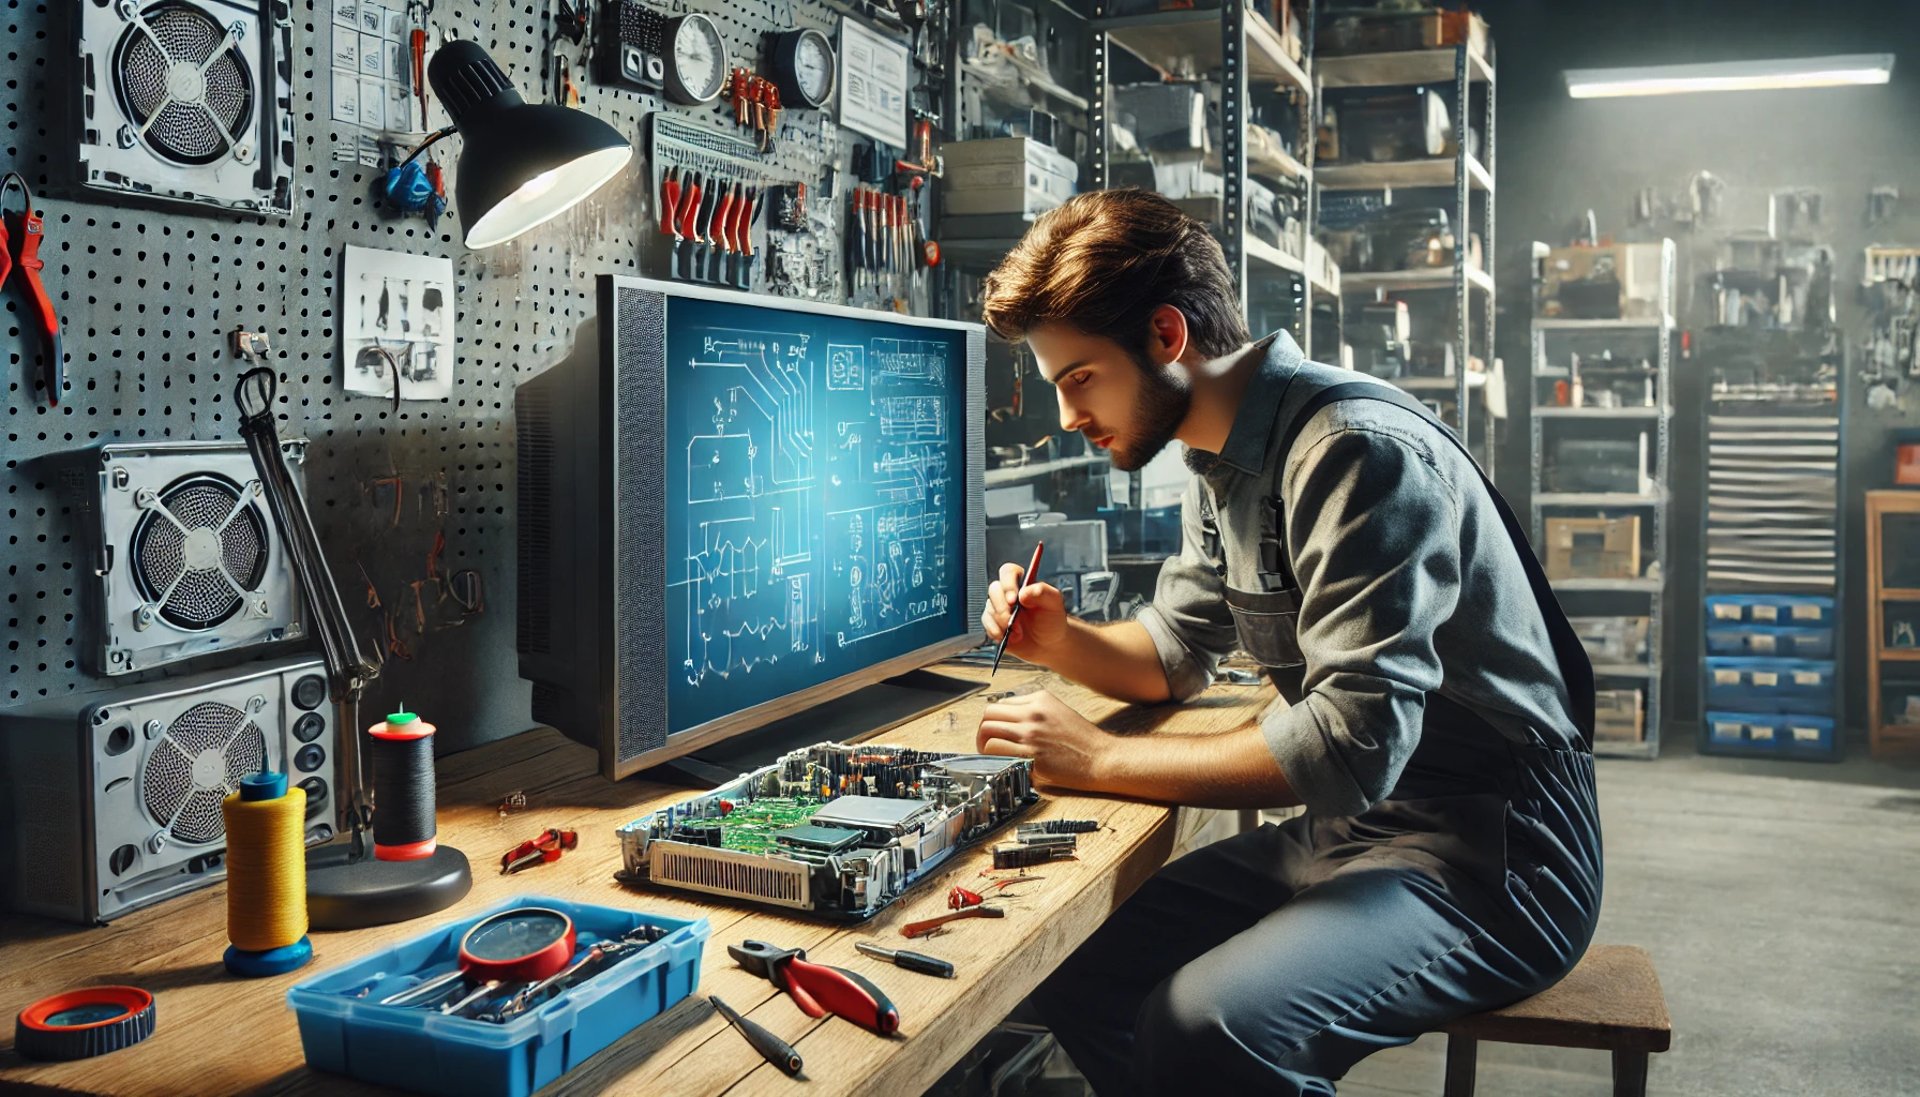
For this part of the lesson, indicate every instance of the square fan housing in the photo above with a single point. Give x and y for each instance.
(188, 101)
(184, 554)
(112, 799)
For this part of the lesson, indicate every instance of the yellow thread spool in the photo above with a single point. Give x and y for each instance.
(266, 876)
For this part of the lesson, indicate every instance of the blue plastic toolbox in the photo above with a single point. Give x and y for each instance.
(344, 1029)
(1788, 610)
(1771, 732)
(1770, 641)
(1770, 685)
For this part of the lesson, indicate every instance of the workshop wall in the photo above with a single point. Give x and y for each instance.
(147, 297)
(1560, 157)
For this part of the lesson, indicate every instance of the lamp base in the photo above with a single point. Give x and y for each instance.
(345, 892)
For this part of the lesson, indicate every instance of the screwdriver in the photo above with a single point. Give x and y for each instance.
(771, 1048)
(912, 961)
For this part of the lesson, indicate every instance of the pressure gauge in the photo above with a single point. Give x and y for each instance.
(696, 59)
(803, 68)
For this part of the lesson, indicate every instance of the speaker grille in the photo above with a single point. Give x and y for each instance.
(725, 872)
(533, 415)
(639, 579)
(200, 759)
(199, 552)
(183, 83)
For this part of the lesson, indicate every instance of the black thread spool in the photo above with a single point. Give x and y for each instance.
(404, 828)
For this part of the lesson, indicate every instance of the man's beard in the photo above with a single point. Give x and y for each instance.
(1157, 414)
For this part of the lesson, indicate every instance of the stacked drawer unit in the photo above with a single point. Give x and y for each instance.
(1770, 675)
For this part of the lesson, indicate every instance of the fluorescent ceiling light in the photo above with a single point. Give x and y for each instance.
(1803, 72)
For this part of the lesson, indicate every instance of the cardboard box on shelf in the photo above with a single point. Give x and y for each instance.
(1389, 32)
(1618, 716)
(1613, 639)
(1593, 548)
(1618, 281)
(1006, 175)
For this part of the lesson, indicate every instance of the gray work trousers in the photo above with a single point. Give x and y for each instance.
(1271, 962)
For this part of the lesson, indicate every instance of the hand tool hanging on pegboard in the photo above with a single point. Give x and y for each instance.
(20, 267)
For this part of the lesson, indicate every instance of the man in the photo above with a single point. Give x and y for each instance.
(1438, 724)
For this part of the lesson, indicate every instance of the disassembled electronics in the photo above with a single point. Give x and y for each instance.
(837, 830)
(187, 101)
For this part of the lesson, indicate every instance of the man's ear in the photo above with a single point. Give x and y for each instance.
(1166, 335)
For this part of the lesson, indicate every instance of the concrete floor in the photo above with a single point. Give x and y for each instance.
(1781, 904)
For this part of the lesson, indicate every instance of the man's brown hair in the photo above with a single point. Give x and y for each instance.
(1104, 261)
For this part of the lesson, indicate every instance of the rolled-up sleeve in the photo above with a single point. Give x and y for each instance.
(1375, 536)
(1191, 626)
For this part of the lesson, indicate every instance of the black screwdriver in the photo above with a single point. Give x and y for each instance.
(771, 1048)
(912, 961)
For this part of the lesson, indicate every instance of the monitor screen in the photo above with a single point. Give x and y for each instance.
(814, 499)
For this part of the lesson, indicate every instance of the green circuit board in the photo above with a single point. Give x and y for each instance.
(750, 827)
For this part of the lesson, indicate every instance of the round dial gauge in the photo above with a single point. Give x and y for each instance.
(697, 65)
(804, 68)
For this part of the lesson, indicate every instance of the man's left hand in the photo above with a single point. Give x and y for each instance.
(1067, 749)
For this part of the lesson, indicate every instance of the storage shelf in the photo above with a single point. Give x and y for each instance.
(1623, 670)
(1475, 380)
(1272, 256)
(1399, 69)
(1160, 38)
(1437, 172)
(1899, 594)
(1901, 655)
(1596, 499)
(1644, 586)
(1021, 473)
(1604, 325)
(1609, 749)
(1552, 412)
(1367, 281)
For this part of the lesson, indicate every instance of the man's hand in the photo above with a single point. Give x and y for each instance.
(1043, 615)
(1065, 746)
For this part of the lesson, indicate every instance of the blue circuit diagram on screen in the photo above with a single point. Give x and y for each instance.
(819, 529)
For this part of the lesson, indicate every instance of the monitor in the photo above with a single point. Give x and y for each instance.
(733, 509)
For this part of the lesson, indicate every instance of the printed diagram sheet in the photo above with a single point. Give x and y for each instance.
(821, 526)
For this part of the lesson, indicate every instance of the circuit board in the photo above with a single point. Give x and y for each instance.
(839, 831)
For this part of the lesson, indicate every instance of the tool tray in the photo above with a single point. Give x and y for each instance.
(345, 1029)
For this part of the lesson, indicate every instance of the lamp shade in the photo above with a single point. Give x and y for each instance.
(521, 164)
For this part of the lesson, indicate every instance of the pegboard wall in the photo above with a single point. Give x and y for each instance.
(148, 295)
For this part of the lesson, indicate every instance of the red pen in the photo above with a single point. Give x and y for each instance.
(1025, 578)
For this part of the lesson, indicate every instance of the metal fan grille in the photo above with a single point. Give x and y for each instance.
(197, 588)
(184, 84)
(196, 764)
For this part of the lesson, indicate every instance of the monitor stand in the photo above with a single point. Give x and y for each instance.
(850, 718)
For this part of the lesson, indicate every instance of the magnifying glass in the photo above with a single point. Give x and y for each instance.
(524, 945)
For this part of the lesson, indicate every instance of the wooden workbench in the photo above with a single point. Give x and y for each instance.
(217, 1034)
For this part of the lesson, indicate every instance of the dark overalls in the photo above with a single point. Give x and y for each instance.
(1271, 962)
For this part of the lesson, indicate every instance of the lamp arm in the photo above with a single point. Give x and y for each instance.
(349, 672)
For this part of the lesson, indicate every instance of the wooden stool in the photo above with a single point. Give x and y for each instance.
(1610, 1001)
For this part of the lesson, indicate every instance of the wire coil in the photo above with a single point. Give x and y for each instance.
(404, 827)
(266, 875)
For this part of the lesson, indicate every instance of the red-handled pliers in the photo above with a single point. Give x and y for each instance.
(29, 230)
(817, 989)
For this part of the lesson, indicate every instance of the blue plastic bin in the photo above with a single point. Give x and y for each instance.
(1804, 686)
(1785, 610)
(344, 1029)
(1771, 733)
(1770, 642)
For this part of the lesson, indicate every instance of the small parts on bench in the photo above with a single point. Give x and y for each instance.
(548, 846)
(960, 898)
(818, 989)
(1057, 826)
(912, 961)
(771, 1048)
(512, 801)
(79, 1024)
(1025, 854)
(927, 926)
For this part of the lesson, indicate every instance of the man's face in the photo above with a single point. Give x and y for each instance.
(1123, 404)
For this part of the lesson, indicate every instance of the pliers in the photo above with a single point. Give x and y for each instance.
(817, 989)
(30, 231)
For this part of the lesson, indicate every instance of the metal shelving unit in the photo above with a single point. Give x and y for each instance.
(1243, 48)
(1556, 335)
(1471, 178)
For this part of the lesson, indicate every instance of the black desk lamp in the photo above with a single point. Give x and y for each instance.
(523, 163)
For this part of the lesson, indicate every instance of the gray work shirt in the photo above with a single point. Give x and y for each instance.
(1385, 562)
